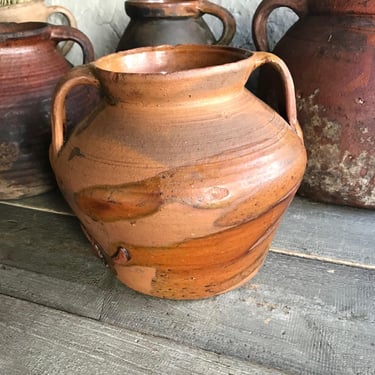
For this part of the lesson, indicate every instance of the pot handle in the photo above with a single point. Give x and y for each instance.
(61, 33)
(68, 15)
(228, 21)
(80, 75)
(261, 58)
(259, 25)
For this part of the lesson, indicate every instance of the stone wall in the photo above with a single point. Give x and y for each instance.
(105, 21)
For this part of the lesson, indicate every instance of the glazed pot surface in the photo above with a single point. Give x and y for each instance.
(174, 22)
(30, 67)
(330, 54)
(37, 11)
(180, 176)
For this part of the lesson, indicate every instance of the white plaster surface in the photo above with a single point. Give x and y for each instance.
(105, 21)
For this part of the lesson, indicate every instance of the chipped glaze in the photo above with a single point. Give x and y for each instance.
(180, 177)
(330, 53)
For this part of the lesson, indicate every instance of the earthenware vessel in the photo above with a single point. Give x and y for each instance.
(330, 53)
(155, 22)
(30, 67)
(180, 176)
(37, 10)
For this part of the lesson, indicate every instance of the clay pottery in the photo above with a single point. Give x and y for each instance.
(330, 52)
(155, 22)
(37, 10)
(30, 67)
(180, 176)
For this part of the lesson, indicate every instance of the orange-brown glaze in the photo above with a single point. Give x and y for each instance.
(124, 202)
(181, 178)
(206, 265)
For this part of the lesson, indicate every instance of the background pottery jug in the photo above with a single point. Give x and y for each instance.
(173, 22)
(36, 10)
(30, 67)
(330, 52)
(180, 176)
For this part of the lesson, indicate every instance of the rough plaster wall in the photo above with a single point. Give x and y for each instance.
(105, 21)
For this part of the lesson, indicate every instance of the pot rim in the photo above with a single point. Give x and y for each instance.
(159, 2)
(162, 9)
(235, 56)
(18, 30)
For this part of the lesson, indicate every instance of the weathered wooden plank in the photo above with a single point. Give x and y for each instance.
(46, 259)
(78, 298)
(48, 243)
(39, 340)
(299, 316)
(328, 231)
(52, 202)
(333, 233)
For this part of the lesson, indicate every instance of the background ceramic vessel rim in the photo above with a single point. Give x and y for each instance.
(242, 56)
(159, 2)
(25, 29)
(180, 8)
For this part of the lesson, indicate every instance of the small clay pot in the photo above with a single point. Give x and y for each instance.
(180, 177)
(173, 22)
(38, 11)
(30, 66)
(329, 52)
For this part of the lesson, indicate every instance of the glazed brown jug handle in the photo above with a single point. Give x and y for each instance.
(260, 58)
(80, 75)
(229, 23)
(259, 25)
(61, 33)
(68, 15)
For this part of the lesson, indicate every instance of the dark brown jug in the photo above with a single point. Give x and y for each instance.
(173, 22)
(30, 66)
(330, 52)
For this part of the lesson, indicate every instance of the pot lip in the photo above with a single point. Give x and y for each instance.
(162, 9)
(243, 55)
(18, 30)
(159, 1)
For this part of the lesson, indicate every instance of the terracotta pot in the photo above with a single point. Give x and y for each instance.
(30, 67)
(330, 53)
(154, 22)
(180, 177)
(36, 10)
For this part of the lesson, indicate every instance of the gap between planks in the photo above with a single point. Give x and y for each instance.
(340, 262)
(39, 209)
(272, 249)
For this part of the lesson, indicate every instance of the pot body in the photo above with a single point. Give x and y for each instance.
(173, 22)
(37, 11)
(180, 176)
(330, 52)
(30, 67)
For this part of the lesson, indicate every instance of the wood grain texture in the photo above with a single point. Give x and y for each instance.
(75, 297)
(38, 340)
(52, 244)
(52, 202)
(336, 232)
